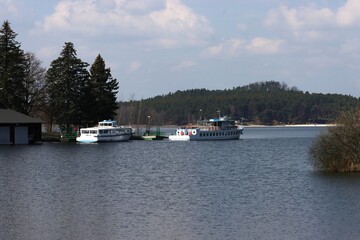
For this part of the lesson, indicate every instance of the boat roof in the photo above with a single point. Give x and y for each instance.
(222, 119)
(107, 121)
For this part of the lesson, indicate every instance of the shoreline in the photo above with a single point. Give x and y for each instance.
(259, 125)
(291, 125)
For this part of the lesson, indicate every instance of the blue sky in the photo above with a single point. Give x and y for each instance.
(154, 47)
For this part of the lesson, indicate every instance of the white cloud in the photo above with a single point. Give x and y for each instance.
(47, 53)
(300, 18)
(350, 46)
(323, 61)
(183, 65)
(264, 46)
(313, 35)
(349, 14)
(235, 46)
(229, 47)
(213, 50)
(312, 17)
(134, 66)
(162, 22)
(9, 8)
(242, 27)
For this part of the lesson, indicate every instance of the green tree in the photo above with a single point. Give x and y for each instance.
(67, 79)
(102, 91)
(13, 91)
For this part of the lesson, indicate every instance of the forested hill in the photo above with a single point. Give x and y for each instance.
(260, 103)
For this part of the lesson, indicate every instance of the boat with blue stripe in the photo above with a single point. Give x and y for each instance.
(222, 128)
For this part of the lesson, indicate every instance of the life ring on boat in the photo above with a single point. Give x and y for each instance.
(193, 132)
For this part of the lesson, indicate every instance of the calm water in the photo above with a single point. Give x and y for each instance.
(260, 187)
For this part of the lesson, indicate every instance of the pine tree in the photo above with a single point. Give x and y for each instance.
(13, 91)
(67, 78)
(103, 91)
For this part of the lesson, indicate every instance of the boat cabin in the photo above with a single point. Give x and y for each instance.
(108, 123)
(218, 123)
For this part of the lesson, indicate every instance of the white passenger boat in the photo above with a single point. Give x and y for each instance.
(106, 131)
(221, 128)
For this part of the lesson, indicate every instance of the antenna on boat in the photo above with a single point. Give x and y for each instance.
(201, 114)
(242, 120)
(218, 111)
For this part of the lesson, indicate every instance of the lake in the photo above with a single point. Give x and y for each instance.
(259, 187)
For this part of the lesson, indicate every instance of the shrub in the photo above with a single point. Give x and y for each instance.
(338, 150)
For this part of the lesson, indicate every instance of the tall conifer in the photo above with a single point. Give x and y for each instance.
(13, 91)
(103, 91)
(67, 78)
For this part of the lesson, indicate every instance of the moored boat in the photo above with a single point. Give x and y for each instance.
(106, 131)
(221, 128)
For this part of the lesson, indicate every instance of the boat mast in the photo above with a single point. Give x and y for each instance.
(218, 111)
(138, 119)
(201, 115)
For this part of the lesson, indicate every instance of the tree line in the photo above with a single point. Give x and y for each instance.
(70, 92)
(267, 103)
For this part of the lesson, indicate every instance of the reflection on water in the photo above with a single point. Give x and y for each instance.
(259, 187)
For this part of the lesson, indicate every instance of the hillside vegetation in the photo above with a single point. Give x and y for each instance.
(267, 103)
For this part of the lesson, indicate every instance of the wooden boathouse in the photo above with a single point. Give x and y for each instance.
(18, 128)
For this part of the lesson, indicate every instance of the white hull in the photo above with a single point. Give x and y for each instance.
(93, 139)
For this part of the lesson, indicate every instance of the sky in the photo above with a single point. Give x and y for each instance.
(156, 47)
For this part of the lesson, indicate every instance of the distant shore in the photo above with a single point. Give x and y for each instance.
(291, 125)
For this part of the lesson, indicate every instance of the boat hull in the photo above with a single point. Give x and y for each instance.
(93, 139)
(203, 135)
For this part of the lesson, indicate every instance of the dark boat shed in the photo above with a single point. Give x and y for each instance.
(18, 128)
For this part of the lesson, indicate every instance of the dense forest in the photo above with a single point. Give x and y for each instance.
(267, 103)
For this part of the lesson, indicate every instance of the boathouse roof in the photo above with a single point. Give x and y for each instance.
(11, 116)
